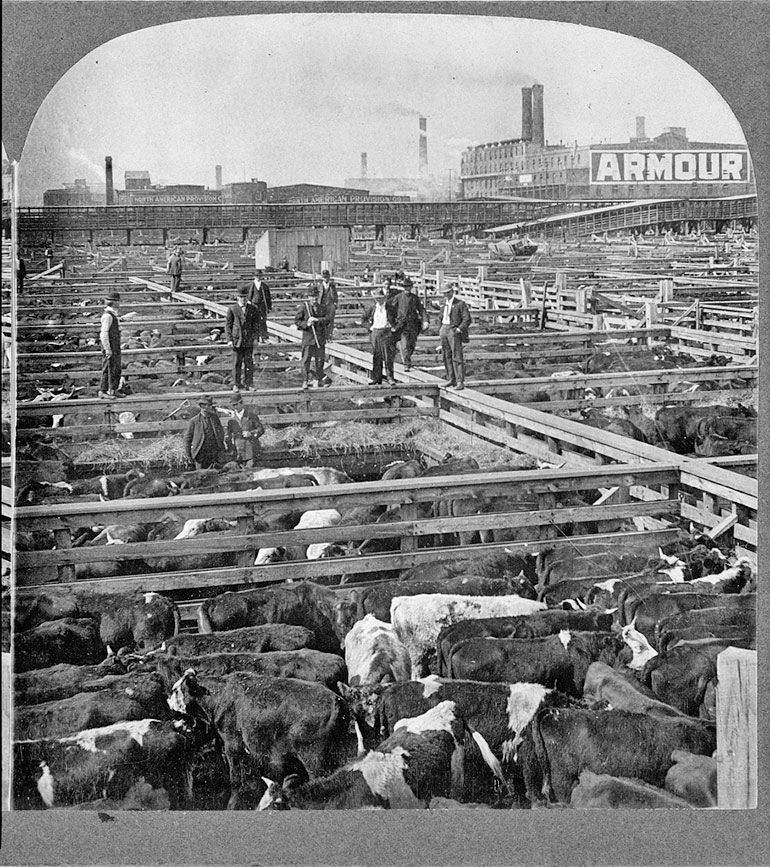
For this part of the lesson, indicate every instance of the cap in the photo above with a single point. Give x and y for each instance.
(113, 296)
(206, 400)
(243, 291)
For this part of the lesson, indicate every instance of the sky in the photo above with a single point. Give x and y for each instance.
(296, 98)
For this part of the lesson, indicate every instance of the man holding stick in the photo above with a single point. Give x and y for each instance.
(312, 319)
(109, 339)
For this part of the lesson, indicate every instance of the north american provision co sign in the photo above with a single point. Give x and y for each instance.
(671, 167)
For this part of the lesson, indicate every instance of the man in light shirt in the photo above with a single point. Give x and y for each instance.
(109, 338)
(455, 322)
(381, 318)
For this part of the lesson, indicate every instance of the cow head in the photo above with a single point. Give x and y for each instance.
(184, 700)
(363, 702)
(640, 647)
(521, 585)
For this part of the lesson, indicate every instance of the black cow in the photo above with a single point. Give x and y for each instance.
(561, 743)
(69, 639)
(249, 639)
(310, 665)
(601, 791)
(64, 680)
(296, 604)
(141, 698)
(103, 762)
(536, 625)
(716, 616)
(142, 620)
(557, 661)
(265, 724)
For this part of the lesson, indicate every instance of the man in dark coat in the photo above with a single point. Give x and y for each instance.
(455, 322)
(174, 268)
(242, 433)
(241, 326)
(326, 296)
(204, 439)
(109, 339)
(381, 319)
(410, 314)
(312, 319)
(21, 272)
(259, 296)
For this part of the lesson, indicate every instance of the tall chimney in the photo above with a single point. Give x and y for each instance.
(526, 113)
(109, 190)
(363, 164)
(640, 129)
(538, 122)
(218, 174)
(423, 146)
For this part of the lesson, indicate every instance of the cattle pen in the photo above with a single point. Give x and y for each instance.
(584, 365)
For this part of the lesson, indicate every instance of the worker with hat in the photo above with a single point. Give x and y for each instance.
(241, 324)
(455, 322)
(242, 433)
(410, 314)
(312, 319)
(381, 319)
(259, 296)
(174, 268)
(327, 297)
(204, 439)
(109, 339)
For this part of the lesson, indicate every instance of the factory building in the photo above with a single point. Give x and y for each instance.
(77, 194)
(666, 166)
(321, 193)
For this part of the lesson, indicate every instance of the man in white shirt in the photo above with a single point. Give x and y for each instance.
(109, 339)
(381, 318)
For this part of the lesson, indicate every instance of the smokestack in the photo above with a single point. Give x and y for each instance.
(640, 129)
(109, 190)
(538, 121)
(218, 174)
(423, 146)
(526, 113)
(363, 164)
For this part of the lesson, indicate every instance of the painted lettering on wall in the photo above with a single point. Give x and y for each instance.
(650, 167)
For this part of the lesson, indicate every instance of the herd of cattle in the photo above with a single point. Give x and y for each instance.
(501, 681)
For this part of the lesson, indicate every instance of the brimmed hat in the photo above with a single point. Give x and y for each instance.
(113, 296)
(325, 273)
(448, 289)
(206, 400)
(380, 292)
(243, 291)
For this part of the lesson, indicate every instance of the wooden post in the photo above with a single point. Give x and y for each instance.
(666, 290)
(737, 729)
(439, 282)
(580, 300)
(598, 323)
(63, 539)
(526, 292)
(547, 501)
(409, 513)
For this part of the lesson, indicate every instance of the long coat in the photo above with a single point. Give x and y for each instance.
(194, 435)
(241, 324)
(260, 297)
(459, 318)
(305, 310)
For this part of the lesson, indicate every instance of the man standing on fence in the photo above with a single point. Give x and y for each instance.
(455, 322)
(241, 326)
(312, 319)
(381, 318)
(109, 339)
(204, 439)
(327, 297)
(410, 314)
(259, 296)
(174, 268)
(242, 433)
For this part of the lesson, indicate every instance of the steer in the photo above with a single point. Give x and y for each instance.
(557, 661)
(102, 762)
(142, 698)
(561, 743)
(265, 723)
(249, 639)
(309, 665)
(65, 680)
(601, 791)
(419, 619)
(72, 640)
(608, 688)
(373, 653)
(536, 625)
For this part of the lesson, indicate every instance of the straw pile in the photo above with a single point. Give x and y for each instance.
(111, 454)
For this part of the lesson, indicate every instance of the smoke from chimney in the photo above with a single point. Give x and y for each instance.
(640, 128)
(218, 175)
(363, 164)
(109, 190)
(538, 120)
(423, 146)
(526, 113)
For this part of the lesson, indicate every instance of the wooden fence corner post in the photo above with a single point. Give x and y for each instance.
(737, 729)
